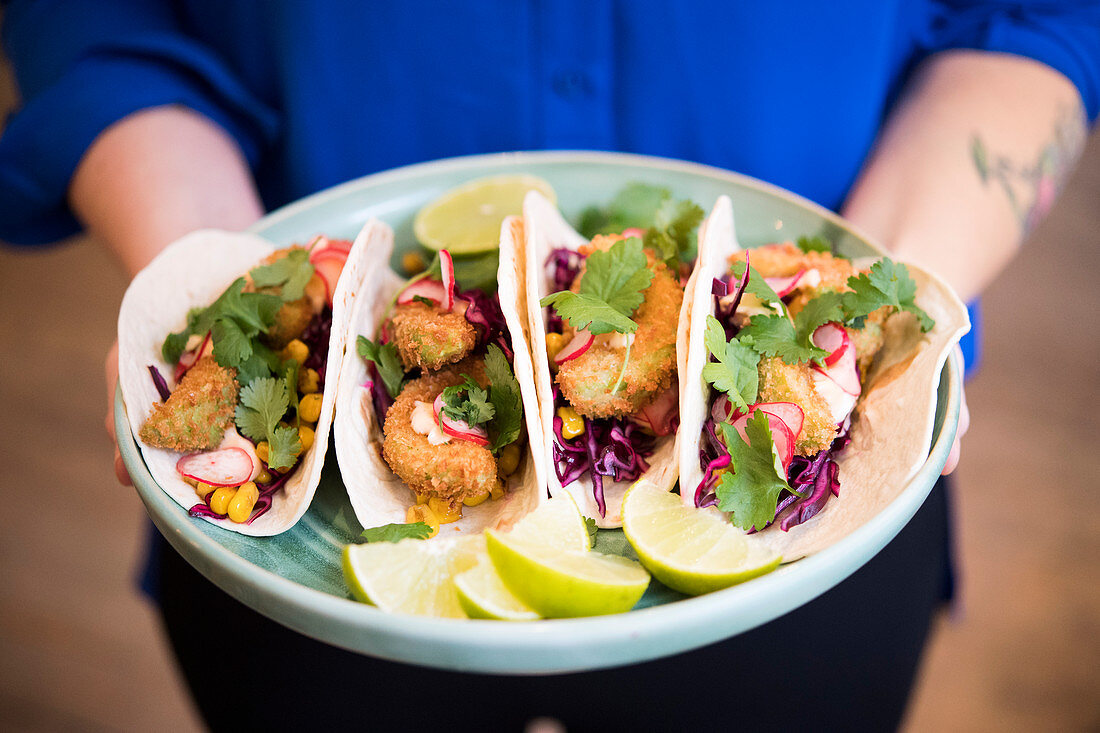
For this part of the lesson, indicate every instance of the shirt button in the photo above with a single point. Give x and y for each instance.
(572, 83)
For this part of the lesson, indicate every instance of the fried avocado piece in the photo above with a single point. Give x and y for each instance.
(293, 316)
(451, 471)
(197, 412)
(429, 337)
(587, 381)
(782, 382)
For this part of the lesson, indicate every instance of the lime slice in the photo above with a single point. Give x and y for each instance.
(482, 594)
(690, 550)
(566, 583)
(467, 219)
(411, 576)
(557, 523)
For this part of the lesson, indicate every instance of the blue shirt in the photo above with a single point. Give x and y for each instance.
(315, 94)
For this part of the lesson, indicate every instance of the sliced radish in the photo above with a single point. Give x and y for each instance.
(843, 370)
(634, 232)
(189, 358)
(833, 338)
(321, 243)
(722, 409)
(447, 268)
(233, 439)
(582, 342)
(782, 438)
(459, 429)
(790, 413)
(328, 264)
(840, 403)
(661, 416)
(784, 285)
(432, 290)
(222, 467)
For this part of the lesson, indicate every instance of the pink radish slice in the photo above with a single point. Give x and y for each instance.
(840, 403)
(722, 409)
(188, 358)
(784, 285)
(328, 264)
(447, 268)
(582, 342)
(233, 439)
(634, 232)
(790, 413)
(662, 415)
(781, 436)
(322, 243)
(222, 467)
(459, 429)
(843, 370)
(833, 338)
(432, 290)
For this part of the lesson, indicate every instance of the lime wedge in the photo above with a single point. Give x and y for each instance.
(482, 594)
(569, 583)
(467, 219)
(557, 524)
(691, 550)
(411, 576)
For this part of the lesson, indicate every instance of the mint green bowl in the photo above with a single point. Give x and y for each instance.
(296, 578)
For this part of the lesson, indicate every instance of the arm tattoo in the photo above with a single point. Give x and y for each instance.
(1032, 188)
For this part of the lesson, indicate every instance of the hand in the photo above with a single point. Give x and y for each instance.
(110, 368)
(964, 424)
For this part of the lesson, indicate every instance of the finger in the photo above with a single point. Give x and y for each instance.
(121, 473)
(952, 458)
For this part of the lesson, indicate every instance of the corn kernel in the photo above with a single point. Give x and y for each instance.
(475, 500)
(296, 350)
(263, 451)
(309, 381)
(572, 423)
(420, 498)
(202, 489)
(508, 460)
(219, 502)
(264, 476)
(309, 407)
(423, 513)
(497, 492)
(442, 509)
(554, 344)
(413, 263)
(240, 508)
(305, 437)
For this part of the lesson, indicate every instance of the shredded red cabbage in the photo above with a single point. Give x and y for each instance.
(159, 383)
(316, 338)
(564, 265)
(484, 313)
(263, 502)
(380, 396)
(612, 447)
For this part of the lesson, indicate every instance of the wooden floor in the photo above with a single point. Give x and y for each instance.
(81, 649)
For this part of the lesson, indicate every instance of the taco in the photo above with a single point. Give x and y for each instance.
(438, 419)
(819, 385)
(608, 335)
(223, 365)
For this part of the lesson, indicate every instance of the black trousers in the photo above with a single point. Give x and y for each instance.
(845, 661)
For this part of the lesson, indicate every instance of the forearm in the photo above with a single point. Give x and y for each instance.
(156, 175)
(970, 160)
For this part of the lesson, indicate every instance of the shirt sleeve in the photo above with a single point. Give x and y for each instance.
(1064, 35)
(81, 67)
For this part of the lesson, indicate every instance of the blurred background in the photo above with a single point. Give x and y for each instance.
(80, 648)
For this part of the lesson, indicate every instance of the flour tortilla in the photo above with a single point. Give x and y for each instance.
(191, 273)
(547, 231)
(377, 495)
(893, 420)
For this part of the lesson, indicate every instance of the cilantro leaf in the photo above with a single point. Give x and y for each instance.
(397, 532)
(610, 291)
(505, 395)
(591, 528)
(887, 283)
(262, 405)
(816, 243)
(751, 490)
(776, 335)
(756, 285)
(231, 345)
(634, 206)
(386, 360)
(735, 372)
(672, 235)
(290, 272)
(262, 363)
(284, 447)
(467, 402)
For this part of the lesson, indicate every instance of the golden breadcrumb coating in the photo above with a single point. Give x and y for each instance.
(198, 411)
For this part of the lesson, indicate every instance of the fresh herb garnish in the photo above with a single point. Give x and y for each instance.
(751, 492)
(591, 528)
(611, 290)
(735, 372)
(290, 273)
(887, 283)
(472, 272)
(791, 340)
(263, 402)
(756, 285)
(386, 360)
(467, 402)
(670, 224)
(397, 532)
(816, 243)
(239, 318)
(673, 235)
(505, 398)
